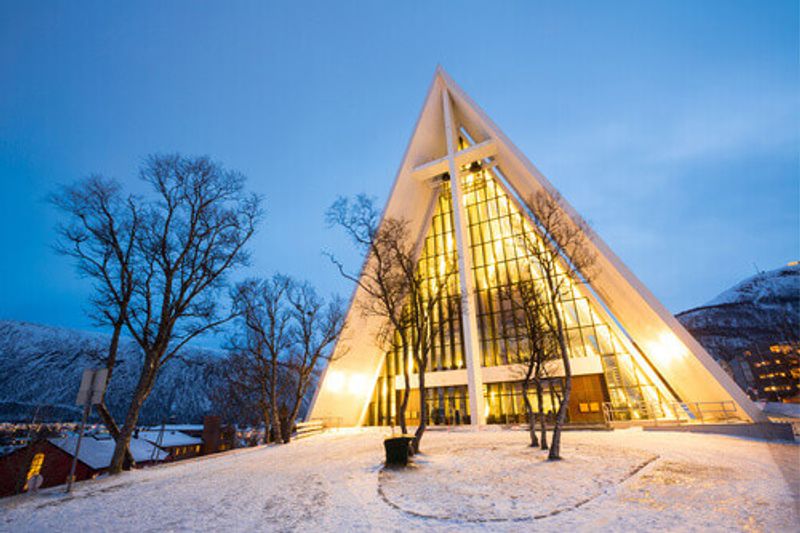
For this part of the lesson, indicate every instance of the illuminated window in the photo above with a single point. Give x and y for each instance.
(35, 468)
(494, 225)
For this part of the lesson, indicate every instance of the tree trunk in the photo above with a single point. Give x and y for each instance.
(423, 412)
(529, 412)
(113, 429)
(276, 423)
(287, 435)
(265, 415)
(273, 390)
(302, 384)
(561, 415)
(401, 411)
(113, 348)
(266, 411)
(283, 421)
(102, 409)
(542, 421)
(126, 432)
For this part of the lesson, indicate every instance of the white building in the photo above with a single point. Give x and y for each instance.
(631, 359)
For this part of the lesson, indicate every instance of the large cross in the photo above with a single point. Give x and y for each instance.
(451, 163)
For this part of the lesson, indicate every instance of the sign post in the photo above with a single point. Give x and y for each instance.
(93, 385)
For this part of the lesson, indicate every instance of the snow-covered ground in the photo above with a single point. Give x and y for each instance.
(465, 480)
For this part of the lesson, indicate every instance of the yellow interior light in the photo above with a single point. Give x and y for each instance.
(358, 384)
(335, 381)
(667, 347)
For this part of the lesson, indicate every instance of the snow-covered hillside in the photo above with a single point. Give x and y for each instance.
(760, 309)
(42, 366)
(773, 288)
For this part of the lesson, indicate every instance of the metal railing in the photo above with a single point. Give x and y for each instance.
(329, 421)
(316, 425)
(673, 413)
(306, 429)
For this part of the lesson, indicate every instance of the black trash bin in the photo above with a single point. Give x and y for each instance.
(398, 450)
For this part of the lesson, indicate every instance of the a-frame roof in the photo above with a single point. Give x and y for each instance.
(677, 357)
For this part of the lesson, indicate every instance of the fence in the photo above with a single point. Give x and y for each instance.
(673, 413)
(315, 426)
(306, 429)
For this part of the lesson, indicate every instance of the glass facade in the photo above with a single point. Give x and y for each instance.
(447, 352)
(506, 405)
(495, 225)
(500, 260)
(448, 405)
(438, 251)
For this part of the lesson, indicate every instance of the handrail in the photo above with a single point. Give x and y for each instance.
(308, 428)
(310, 423)
(673, 412)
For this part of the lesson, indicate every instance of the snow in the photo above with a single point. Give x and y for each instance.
(96, 452)
(765, 287)
(169, 438)
(464, 480)
(547, 489)
(177, 427)
(752, 315)
(789, 410)
(42, 367)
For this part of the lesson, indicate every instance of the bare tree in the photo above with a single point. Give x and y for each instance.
(381, 278)
(530, 307)
(100, 235)
(235, 393)
(315, 327)
(558, 246)
(262, 305)
(287, 331)
(192, 234)
(428, 293)
(400, 293)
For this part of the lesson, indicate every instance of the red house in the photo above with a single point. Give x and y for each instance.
(52, 459)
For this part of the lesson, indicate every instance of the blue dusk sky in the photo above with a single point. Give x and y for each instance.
(671, 126)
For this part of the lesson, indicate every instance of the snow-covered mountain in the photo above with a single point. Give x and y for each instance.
(42, 366)
(764, 308)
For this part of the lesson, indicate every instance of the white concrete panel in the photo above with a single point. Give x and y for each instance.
(581, 366)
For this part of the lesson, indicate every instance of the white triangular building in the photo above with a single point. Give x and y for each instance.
(631, 359)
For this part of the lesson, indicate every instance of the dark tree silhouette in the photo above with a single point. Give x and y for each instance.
(100, 234)
(287, 330)
(396, 290)
(538, 340)
(558, 246)
(193, 233)
(316, 325)
(264, 342)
